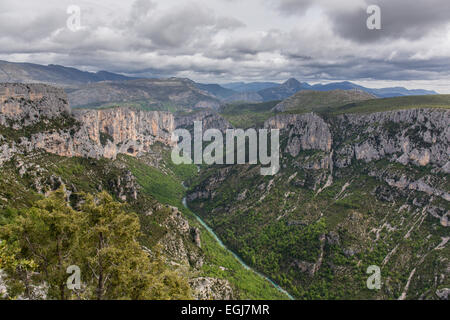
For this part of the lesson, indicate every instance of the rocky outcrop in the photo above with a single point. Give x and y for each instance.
(406, 184)
(417, 136)
(209, 119)
(306, 132)
(211, 289)
(35, 292)
(125, 186)
(23, 105)
(443, 294)
(85, 133)
(182, 246)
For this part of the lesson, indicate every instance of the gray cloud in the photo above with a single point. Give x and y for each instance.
(218, 40)
(400, 18)
(188, 23)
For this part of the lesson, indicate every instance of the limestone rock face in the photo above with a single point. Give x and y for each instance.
(417, 136)
(86, 133)
(443, 294)
(306, 132)
(123, 130)
(24, 105)
(211, 289)
(107, 133)
(209, 119)
(182, 246)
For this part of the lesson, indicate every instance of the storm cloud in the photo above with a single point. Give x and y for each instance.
(228, 40)
(400, 18)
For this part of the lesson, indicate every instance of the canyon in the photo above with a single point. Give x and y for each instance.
(354, 188)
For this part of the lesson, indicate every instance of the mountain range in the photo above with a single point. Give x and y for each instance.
(273, 91)
(172, 94)
(249, 87)
(73, 80)
(53, 74)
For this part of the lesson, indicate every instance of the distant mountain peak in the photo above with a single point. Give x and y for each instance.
(291, 81)
(296, 85)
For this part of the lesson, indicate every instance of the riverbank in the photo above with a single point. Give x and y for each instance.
(214, 235)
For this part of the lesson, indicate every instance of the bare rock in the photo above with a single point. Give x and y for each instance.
(211, 289)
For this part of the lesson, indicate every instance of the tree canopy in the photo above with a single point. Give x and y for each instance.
(100, 237)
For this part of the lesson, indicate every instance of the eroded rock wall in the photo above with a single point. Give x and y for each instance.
(91, 133)
(416, 136)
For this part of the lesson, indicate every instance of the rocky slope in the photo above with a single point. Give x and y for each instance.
(45, 146)
(354, 190)
(417, 136)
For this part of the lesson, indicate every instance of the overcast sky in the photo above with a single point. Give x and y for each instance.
(238, 40)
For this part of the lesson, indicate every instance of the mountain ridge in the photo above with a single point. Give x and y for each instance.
(72, 78)
(310, 100)
(52, 74)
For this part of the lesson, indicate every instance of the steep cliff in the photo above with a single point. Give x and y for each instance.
(210, 120)
(306, 132)
(417, 136)
(24, 105)
(354, 190)
(39, 117)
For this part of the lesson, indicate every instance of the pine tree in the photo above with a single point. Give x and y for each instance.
(101, 239)
(114, 261)
(46, 233)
